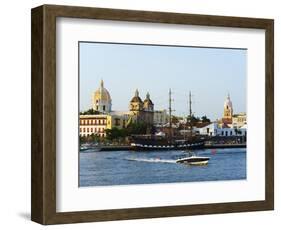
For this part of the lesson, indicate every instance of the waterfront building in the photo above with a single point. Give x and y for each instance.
(229, 125)
(160, 117)
(239, 120)
(215, 129)
(93, 124)
(118, 119)
(98, 123)
(101, 99)
(104, 118)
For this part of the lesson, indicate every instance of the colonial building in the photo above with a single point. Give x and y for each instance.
(94, 124)
(227, 111)
(98, 123)
(214, 129)
(239, 120)
(230, 125)
(229, 118)
(141, 111)
(160, 117)
(105, 117)
(101, 99)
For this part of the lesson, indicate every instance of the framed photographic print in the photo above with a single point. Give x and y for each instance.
(140, 114)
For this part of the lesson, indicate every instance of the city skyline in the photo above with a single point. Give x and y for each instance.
(209, 73)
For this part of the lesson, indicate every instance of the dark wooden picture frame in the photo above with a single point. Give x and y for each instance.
(43, 170)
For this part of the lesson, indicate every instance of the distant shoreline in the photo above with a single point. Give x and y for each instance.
(207, 146)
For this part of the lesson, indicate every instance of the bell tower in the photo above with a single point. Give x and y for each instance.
(228, 109)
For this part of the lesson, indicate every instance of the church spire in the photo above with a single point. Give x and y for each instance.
(137, 93)
(147, 96)
(101, 83)
(228, 109)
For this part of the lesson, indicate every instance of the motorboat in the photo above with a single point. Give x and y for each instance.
(192, 159)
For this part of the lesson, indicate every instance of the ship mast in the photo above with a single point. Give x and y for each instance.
(170, 115)
(190, 115)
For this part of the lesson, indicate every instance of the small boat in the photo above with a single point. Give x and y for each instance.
(92, 147)
(192, 159)
(84, 148)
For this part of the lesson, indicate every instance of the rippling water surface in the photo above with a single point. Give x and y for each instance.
(129, 167)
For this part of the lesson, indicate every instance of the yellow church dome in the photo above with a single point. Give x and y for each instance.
(101, 99)
(102, 94)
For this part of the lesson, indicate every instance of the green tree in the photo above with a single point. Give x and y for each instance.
(90, 112)
(205, 119)
(82, 139)
(115, 134)
(93, 138)
(193, 119)
(138, 128)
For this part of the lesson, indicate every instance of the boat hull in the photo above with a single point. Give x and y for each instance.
(165, 147)
(194, 160)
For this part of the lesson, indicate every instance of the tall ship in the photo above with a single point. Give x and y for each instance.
(170, 141)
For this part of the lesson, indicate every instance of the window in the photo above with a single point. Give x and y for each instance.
(103, 108)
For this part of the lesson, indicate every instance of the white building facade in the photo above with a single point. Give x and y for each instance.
(214, 129)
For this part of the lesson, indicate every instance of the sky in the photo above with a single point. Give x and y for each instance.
(209, 73)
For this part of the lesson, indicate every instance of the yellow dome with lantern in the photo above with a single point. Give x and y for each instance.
(101, 99)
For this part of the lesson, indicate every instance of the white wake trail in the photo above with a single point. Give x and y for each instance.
(152, 160)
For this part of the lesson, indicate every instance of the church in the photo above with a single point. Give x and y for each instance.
(229, 125)
(101, 99)
(141, 111)
(230, 119)
(227, 111)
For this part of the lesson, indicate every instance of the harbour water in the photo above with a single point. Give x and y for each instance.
(129, 167)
